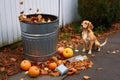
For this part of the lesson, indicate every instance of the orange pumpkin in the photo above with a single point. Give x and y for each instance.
(25, 64)
(52, 65)
(34, 71)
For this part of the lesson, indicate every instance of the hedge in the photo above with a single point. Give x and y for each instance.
(99, 12)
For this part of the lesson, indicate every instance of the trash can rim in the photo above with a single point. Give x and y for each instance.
(57, 18)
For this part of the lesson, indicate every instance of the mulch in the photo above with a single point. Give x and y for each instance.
(10, 58)
(10, 61)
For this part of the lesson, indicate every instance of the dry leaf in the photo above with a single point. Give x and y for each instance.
(113, 52)
(76, 50)
(54, 58)
(69, 73)
(86, 77)
(99, 68)
(2, 69)
(72, 71)
(21, 78)
(37, 10)
(90, 64)
(13, 59)
(49, 20)
(30, 9)
(21, 3)
(44, 72)
(26, 72)
(55, 73)
(117, 50)
(93, 55)
(83, 68)
(21, 12)
(46, 69)
(108, 52)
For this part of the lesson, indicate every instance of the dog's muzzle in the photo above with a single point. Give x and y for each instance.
(84, 26)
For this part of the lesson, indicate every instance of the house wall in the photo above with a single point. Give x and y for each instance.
(10, 10)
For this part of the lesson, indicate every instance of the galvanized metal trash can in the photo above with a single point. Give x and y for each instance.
(40, 39)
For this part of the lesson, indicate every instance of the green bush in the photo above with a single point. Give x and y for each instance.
(99, 12)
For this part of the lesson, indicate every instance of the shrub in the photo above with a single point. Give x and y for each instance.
(99, 12)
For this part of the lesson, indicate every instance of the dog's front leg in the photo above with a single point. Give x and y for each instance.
(84, 46)
(90, 47)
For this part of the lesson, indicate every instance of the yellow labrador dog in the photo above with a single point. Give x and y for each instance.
(89, 38)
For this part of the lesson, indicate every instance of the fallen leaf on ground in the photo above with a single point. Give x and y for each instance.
(13, 59)
(86, 77)
(90, 64)
(99, 68)
(2, 69)
(93, 55)
(76, 50)
(21, 78)
(117, 50)
(56, 73)
(44, 72)
(113, 52)
(37, 10)
(108, 52)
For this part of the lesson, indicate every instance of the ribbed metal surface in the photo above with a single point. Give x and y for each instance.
(39, 48)
(40, 39)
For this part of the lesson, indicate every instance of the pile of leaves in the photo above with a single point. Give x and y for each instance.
(68, 37)
(37, 18)
(10, 61)
(73, 67)
(10, 64)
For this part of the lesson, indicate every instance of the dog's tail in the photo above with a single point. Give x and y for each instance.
(106, 40)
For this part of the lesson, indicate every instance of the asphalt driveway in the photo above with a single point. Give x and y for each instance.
(106, 63)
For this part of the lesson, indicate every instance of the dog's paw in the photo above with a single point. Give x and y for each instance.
(98, 50)
(84, 50)
(89, 52)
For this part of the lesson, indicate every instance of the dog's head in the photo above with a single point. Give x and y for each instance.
(87, 25)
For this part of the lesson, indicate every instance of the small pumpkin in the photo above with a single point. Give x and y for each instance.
(68, 52)
(60, 50)
(52, 65)
(25, 64)
(34, 71)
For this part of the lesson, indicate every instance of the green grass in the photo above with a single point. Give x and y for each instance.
(65, 36)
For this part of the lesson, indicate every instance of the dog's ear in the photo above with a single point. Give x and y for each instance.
(81, 28)
(90, 26)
